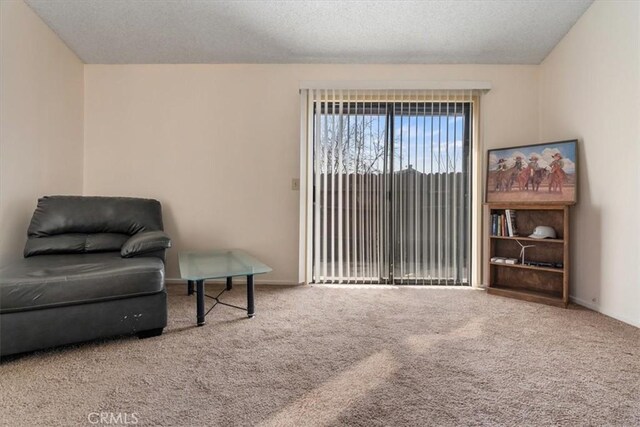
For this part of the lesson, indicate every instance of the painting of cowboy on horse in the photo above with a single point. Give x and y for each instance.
(534, 173)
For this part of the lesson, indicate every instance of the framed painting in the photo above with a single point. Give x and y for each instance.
(540, 173)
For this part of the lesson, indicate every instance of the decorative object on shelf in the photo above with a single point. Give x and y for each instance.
(543, 232)
(522, 250)
(540, 173)
(545, 264)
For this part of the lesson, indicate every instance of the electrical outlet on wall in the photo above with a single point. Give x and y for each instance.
(295, 184)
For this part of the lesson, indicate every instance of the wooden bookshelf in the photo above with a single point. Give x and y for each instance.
(543, 284)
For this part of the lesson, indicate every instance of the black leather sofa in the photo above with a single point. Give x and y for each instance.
(93, 267)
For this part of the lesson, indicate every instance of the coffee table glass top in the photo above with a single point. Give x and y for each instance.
(200, 265)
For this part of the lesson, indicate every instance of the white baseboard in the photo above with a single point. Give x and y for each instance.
(590, 305)
(256, 281)
(596, 307)
(387, 286)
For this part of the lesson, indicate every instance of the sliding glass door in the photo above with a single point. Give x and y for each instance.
(350, 163)
(391, 191)
(430, 201)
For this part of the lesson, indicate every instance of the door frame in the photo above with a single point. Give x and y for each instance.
(305, 229)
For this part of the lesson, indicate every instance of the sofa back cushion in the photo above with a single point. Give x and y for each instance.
(56, 215)
(74, 243)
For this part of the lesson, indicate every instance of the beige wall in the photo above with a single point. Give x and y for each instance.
(219, 144)
(41, 121)
(590, 89)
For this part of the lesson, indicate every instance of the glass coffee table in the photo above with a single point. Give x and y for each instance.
(198, 266)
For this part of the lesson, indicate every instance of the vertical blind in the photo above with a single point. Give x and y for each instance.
(390, 186)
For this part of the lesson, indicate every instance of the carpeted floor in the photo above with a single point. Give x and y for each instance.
(330, 356)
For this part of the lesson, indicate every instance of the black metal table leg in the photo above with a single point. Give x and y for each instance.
(251, 311)
(189, 287)
(229, 283)
(200, 296)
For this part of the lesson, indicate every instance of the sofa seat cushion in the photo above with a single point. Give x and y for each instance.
(57, 280)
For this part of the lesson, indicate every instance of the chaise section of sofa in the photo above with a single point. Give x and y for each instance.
(93, 267)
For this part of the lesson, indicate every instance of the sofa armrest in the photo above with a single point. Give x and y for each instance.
(145, 242)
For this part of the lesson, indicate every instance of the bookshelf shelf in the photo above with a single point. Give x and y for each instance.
(529, 267)
(550, 298)
(547, 285)
(528, 239)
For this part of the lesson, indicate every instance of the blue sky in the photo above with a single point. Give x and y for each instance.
(427, 143)
(424, 143)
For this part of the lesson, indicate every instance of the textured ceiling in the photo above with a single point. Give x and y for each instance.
(203, 31)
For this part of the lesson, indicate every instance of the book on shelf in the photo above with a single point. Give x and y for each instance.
(512, 216)
(511, 219)
(504, 224)
(495, 224)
